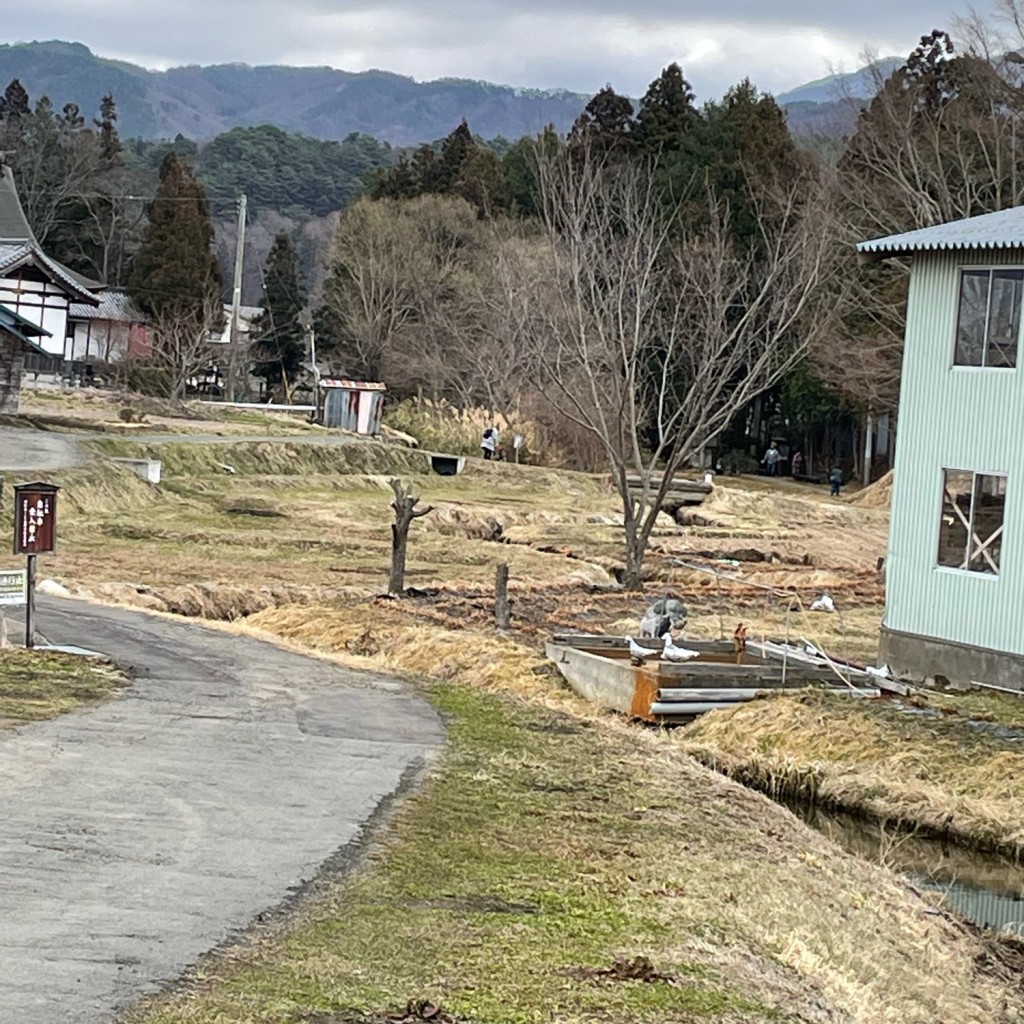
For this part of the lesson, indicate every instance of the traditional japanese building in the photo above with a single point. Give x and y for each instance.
(34, 286)
(109, 332)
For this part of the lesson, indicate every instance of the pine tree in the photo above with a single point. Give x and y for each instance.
(175, 274)
(666, 114)
(278, 347)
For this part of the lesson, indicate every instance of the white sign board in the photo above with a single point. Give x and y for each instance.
(13, 586)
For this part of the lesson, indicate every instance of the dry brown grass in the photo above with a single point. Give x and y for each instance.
(935, 772)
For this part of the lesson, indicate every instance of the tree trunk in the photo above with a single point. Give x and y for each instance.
(502, 610)
(405, 512)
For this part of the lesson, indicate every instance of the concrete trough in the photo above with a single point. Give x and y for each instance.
(146, 469)
(447, 465)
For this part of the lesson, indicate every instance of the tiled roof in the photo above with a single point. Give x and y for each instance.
(1002, 230)
(18, 241)
(115, 304)
(16, 254)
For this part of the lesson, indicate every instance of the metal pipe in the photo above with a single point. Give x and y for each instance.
(672, 696)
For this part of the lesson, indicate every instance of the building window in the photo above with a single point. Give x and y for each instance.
(988, 320)
(971, 529)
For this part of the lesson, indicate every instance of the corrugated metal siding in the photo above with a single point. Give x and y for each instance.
(955, 418)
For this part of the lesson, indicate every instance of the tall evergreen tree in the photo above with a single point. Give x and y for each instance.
(457, 148)
(175, 274)
(666, 114)
(606, 125)
(278, 347)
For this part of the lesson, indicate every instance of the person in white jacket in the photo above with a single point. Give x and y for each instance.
(489, 442)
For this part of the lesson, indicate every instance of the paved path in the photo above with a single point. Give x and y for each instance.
(138, 835)
(22, 449)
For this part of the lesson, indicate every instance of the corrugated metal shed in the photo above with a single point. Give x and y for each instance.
(353, 405)
(1002, 230)
(958, 418)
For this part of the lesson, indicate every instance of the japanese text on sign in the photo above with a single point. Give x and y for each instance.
(12, 586)
(35, 519)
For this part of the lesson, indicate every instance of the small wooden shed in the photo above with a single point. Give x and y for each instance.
(352, 405)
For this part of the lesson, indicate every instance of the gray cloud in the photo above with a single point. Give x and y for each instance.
(578, 44)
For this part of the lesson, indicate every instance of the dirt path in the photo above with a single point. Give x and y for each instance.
(137, 836)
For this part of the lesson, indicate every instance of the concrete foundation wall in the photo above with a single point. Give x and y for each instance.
(919, 657)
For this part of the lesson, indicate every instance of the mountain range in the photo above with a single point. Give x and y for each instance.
(202, 102)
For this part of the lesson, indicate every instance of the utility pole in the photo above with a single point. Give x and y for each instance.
(236, 302)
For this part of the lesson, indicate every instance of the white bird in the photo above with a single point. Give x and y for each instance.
(638, 653)
(673, 653)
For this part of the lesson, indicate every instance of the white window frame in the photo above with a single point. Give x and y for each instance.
(961, 367)
(972, 538)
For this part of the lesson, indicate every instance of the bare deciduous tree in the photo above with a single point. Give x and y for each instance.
(656, 337)
(180, 346)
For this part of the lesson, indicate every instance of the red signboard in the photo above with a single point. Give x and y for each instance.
(35, 518)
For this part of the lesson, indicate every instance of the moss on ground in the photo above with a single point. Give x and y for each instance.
(37, 685)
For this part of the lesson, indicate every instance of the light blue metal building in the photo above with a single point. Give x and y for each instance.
(955, 571)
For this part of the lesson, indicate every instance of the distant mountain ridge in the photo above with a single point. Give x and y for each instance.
(202, 102)
(855, 85)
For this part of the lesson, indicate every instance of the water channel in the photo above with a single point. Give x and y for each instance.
(984, 888)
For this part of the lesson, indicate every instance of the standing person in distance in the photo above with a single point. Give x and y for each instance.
(489, 443)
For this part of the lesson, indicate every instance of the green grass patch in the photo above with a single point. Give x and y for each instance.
(37, 685)
(502, 894)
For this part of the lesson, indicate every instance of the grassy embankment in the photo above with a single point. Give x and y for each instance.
(36, 685)
(946, 765)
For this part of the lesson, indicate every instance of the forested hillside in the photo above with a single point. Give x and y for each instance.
(201, 102)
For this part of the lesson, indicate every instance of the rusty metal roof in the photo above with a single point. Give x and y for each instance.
(1002, 230)
(352, 385)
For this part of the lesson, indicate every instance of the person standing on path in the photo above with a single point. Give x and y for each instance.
(797, 465)
(835, 479)
(489, 443)
(771, 460)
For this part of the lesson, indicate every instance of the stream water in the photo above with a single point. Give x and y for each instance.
(984, 888)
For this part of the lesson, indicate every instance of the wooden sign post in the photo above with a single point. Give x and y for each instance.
(35, 533)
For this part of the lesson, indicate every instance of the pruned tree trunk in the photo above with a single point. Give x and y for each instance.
(405, 512)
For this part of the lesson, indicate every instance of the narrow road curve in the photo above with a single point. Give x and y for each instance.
(138, 835)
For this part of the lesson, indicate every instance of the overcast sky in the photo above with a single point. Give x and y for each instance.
(577, 44)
